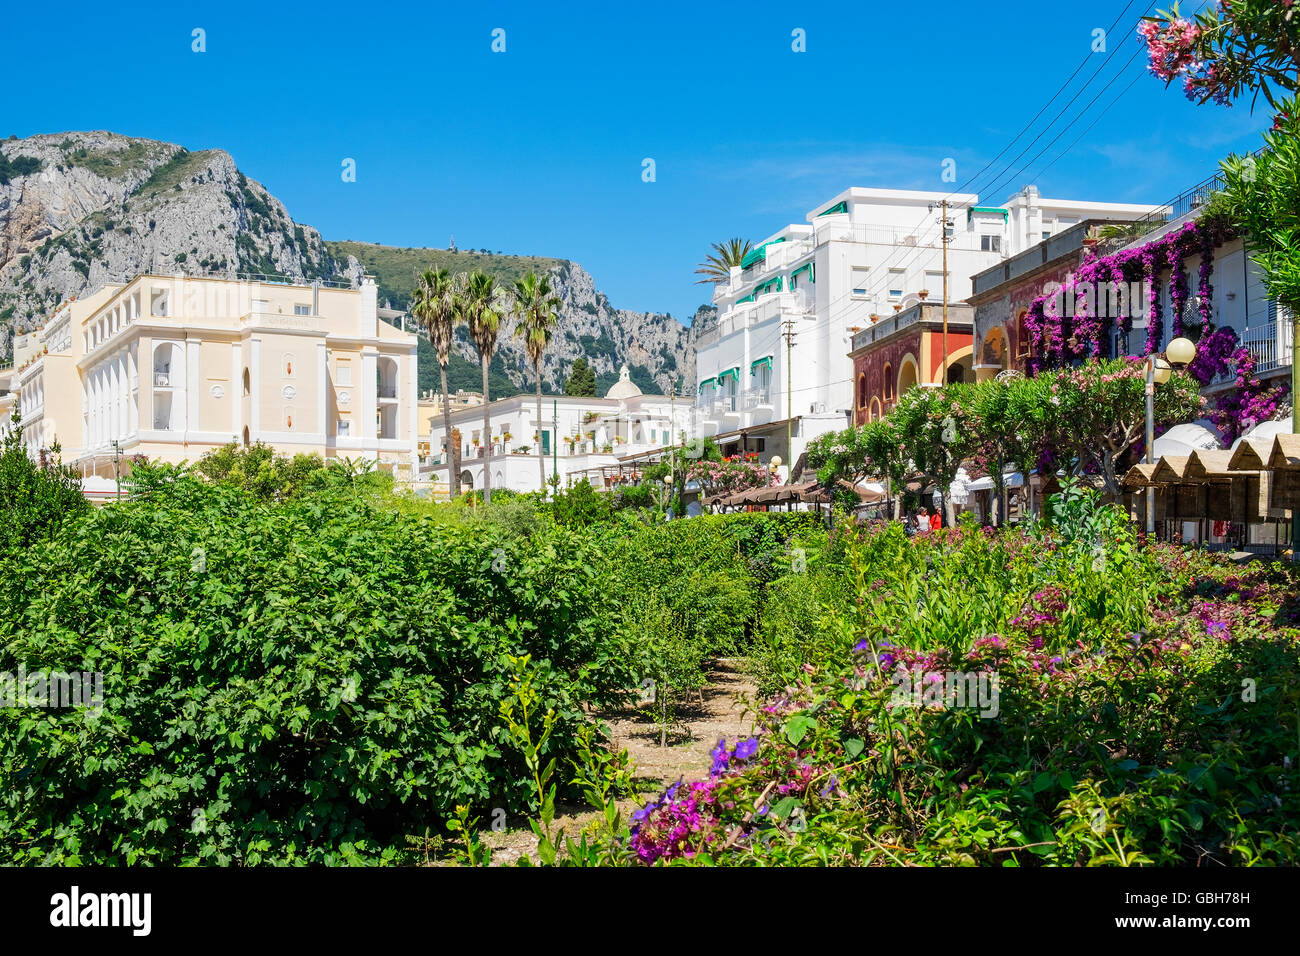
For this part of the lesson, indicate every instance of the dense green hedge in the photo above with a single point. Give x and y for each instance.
(307, 680)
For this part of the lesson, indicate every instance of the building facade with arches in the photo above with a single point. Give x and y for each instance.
(171, 367)
(906, 351)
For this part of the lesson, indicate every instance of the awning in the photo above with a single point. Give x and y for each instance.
(706, 383)
(841, 206)
(748, 298)
(765, 360)
(756, 255)
(767, 286)
(990, 209)
(733, 373)
(1012, 480)
(806, 267)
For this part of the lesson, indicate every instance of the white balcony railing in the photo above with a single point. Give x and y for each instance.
(1272, 345)
(758, 397)
(767, 308)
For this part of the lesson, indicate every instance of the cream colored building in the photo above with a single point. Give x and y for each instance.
(171, 367)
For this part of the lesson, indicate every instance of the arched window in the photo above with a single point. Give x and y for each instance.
(1023, 349)
(386, 377)
(907, 377)
(248, 384)
(862, 390)
(887, 382)
(168, 374)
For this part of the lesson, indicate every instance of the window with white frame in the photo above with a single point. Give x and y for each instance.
(990, 243)
(860, 285)
(896, 282)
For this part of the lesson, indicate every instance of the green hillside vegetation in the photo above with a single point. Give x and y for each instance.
(395, 268)
(181, 167)
(18, 166)
(109, 163)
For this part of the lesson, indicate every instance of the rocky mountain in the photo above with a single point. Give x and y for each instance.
(81, 209)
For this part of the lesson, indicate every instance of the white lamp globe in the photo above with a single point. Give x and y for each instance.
(1163, 371)
(1181, 351)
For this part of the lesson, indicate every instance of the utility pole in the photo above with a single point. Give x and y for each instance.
(1150, 392)
(788, 334)
(555, 444)
(944, 238)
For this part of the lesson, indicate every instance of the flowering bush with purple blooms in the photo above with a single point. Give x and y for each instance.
(1137, 736)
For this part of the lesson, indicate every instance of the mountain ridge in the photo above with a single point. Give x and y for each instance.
(78, 209)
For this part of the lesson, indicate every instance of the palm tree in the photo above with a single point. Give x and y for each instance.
(434, 308)
(484, 326)
(536, 307)
(717, 267)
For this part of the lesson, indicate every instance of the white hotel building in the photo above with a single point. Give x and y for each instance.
(860, 257)
(580, 436)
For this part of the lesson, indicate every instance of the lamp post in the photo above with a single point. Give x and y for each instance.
(1181, 352)
(668, 484)
(773, 465)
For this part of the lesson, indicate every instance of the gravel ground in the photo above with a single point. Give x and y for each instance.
(723, 714)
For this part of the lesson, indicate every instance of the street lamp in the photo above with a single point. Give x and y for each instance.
(1180, 351)
(773, 465)
(668, 483)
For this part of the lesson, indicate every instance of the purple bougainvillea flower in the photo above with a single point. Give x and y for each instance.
(862, 645)
(746, 748)
(720, 757)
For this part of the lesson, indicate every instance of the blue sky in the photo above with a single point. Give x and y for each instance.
(539, 150)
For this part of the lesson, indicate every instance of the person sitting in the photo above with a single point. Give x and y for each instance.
(923, 520)
(936, 520)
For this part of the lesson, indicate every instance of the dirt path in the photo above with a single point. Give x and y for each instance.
(723, 714)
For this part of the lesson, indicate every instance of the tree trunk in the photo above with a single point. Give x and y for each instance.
(487, 437)
(541, 457)
(453, 474)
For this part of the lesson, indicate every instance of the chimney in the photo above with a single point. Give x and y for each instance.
(369, 308)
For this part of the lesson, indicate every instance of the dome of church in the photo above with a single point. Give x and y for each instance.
(624, 387)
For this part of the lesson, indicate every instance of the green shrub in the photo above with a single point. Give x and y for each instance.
(34, 498)
(298, 680)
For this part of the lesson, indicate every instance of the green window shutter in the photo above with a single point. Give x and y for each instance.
(806, 267)
(970, 213)
(757, 255)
